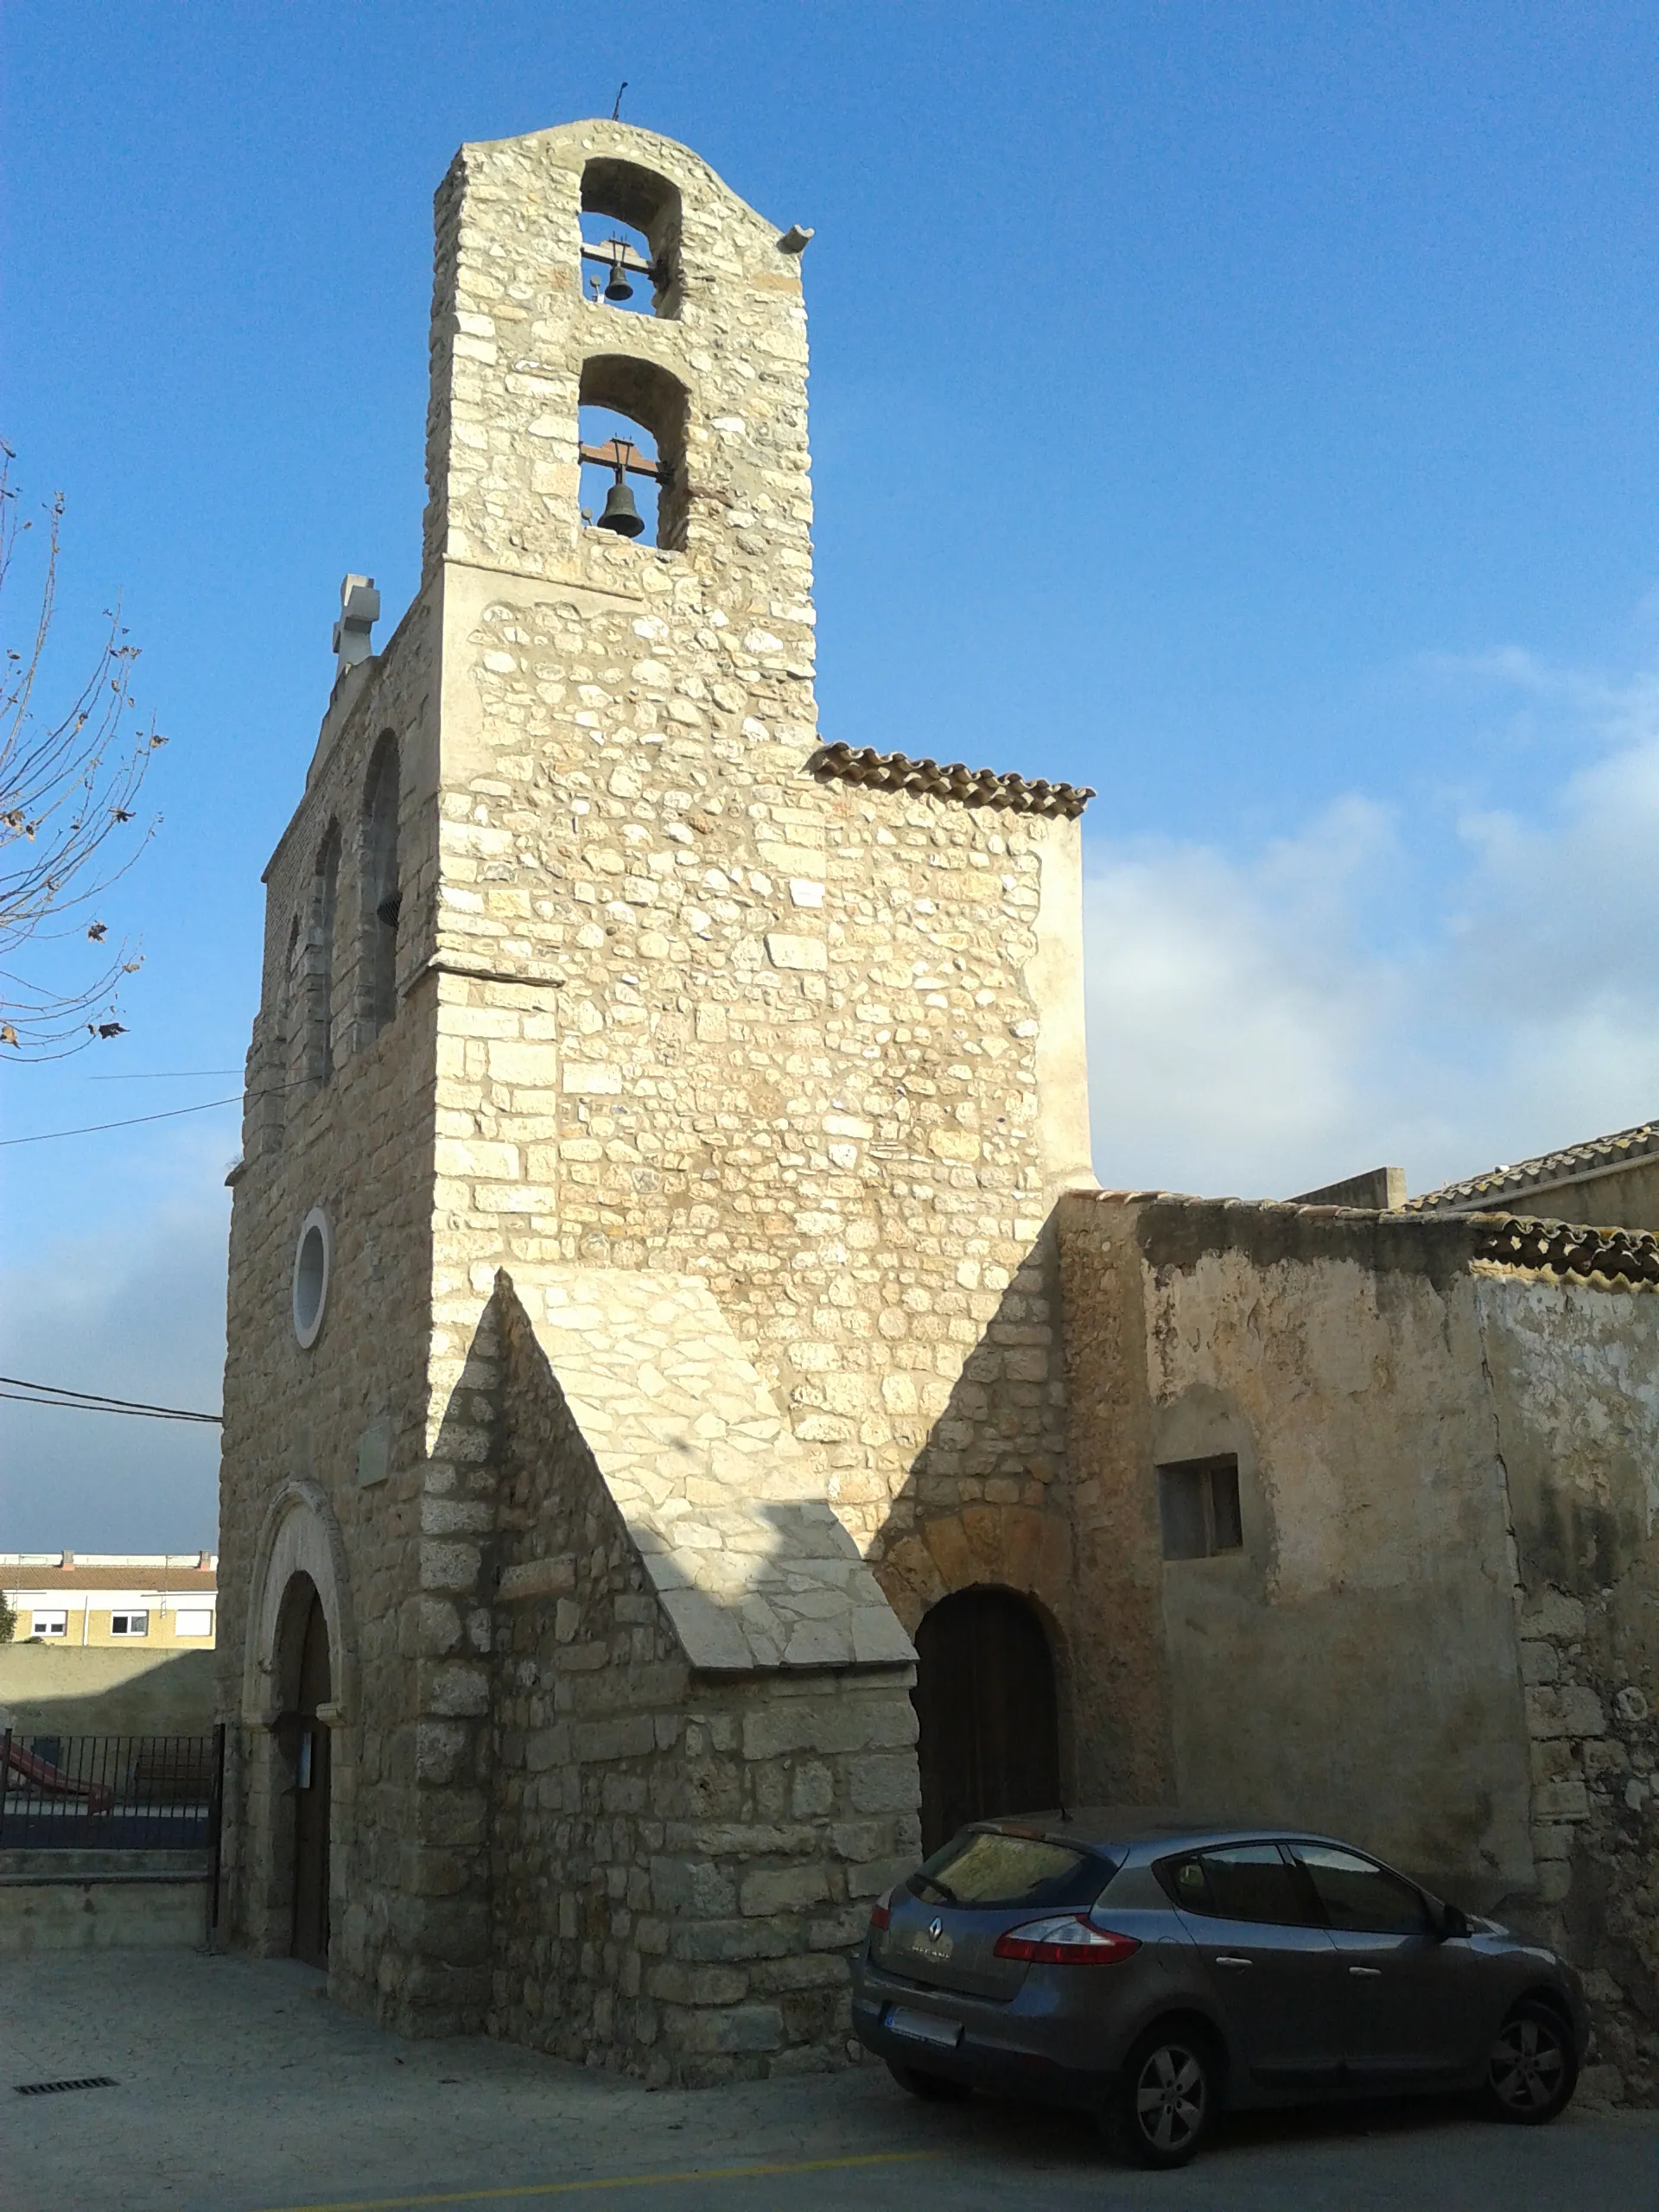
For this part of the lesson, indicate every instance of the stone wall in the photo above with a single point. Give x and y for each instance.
(358, 1146)
(680, 1860)
(1573, 1373)
(1353, 1666)
(75, 1690)
(1439, 1635)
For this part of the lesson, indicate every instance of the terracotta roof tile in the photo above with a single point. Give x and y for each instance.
(185, 1581)
(1505, 1240)
(897, 772)
(1623, 1147)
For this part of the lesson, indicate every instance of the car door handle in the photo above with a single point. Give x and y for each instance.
(1231, 1959)
(1366, 1974)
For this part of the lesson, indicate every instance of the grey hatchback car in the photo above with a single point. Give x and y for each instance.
(1152, 1970)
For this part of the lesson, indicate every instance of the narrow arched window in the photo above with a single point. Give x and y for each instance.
(382, 896)
(320, 1023)
(279, 1060)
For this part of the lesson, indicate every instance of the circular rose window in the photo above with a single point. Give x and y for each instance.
(312, 1258)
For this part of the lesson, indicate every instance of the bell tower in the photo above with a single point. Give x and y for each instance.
(641, 1248)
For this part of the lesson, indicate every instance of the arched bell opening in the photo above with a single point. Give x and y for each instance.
(631, 238)
(631, 419)
(305, 1675)
(986, 1711)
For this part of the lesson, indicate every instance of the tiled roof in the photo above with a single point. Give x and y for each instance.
(1619, 1150)
(185, 1581)
(1503, 1239)
(897, 772)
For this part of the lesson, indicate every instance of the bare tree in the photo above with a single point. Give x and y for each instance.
(69, 785)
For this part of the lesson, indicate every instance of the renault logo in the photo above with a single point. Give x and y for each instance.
(935, 1928)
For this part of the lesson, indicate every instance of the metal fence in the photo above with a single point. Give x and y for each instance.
(111, 1793)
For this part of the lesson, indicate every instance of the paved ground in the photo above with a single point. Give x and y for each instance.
(240, 2089)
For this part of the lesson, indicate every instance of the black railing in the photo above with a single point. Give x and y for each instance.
(109, 1793)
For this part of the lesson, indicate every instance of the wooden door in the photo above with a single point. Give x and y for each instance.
(985, 1706)
(310, 1940)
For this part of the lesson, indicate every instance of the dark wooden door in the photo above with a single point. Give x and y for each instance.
(311, 1795)
(984, 1696)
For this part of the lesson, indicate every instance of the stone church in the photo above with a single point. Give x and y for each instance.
(696, 1430)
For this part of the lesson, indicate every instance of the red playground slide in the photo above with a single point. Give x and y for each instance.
(98, 1795)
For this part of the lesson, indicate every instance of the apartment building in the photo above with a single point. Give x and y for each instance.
(166, 1600)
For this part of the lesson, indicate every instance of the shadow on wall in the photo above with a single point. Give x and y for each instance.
(990, 1507)
(103, 1692)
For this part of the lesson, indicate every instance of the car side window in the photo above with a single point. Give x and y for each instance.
(1187, 1884)
(1359, 1896)
(1252, 1881)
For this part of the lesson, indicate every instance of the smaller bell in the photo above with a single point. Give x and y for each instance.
(618, 288)
(621, 514)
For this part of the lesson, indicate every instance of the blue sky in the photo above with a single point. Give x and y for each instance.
(1248, 411)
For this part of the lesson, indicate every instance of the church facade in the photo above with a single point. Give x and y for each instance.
(695, 1430)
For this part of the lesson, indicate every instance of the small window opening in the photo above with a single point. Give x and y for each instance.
(129, 1624)
(324, 899)
(631, 424)
(50, 1625)
(1198, 1508)
(631, 238)
(382, 895)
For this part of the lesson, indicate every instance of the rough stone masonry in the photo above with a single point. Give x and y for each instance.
(678, 1105)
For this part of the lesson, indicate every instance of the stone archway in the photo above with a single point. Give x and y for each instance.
(986, 1711)
(298, 1698)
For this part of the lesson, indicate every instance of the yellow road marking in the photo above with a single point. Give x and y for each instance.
(614, 2181)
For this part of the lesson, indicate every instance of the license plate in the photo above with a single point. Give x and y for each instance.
(923, 2027)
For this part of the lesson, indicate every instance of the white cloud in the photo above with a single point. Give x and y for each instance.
(1265, 1023)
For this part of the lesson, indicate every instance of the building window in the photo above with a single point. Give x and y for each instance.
(197, 1621)
(1198, 1508)
(382, 899)
(129, 1624)
(50, 1625)
(314, 1259)
(280, 1076)
(319, 1027)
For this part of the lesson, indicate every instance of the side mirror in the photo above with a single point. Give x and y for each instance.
(1454, 1921)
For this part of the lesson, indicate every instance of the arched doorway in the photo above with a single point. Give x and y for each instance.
(307, 1751)
(985, 1704)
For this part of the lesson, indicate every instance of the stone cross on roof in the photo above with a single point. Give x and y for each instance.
(360, 610)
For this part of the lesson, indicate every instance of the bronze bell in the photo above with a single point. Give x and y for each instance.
(618, 288)
(621, 514)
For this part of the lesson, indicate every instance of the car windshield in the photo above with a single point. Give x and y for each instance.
(986, 1866)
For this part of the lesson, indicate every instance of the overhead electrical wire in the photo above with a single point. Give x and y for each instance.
(94, 1402)
(95, 1129)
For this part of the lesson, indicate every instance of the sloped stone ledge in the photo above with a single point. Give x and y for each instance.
(744, 1552)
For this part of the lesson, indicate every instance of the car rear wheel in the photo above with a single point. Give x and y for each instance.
(920, 2083)
(1164, 2104)
(1533, 2071)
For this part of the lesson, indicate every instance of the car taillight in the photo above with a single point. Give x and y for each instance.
(1068, 1940)
(881, 1912)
